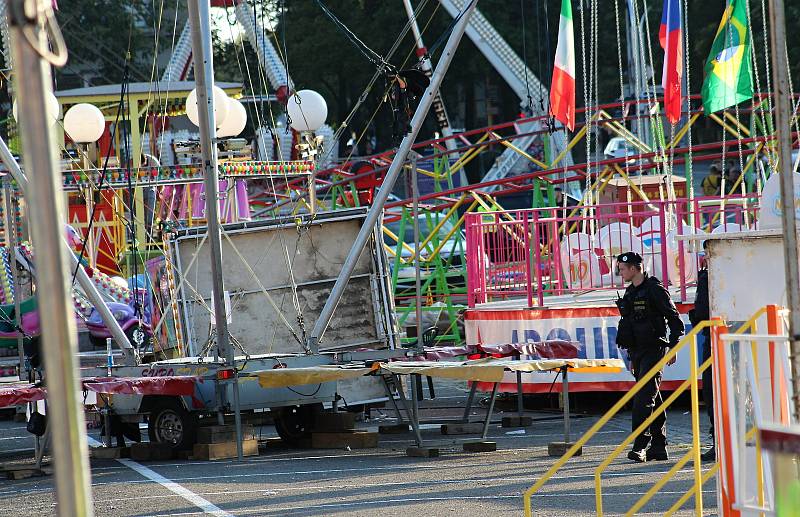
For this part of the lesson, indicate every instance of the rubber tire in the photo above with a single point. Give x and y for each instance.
(294, 423)
(100, 342)
(171, 409)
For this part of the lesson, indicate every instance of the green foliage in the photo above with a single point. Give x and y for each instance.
(100, 34)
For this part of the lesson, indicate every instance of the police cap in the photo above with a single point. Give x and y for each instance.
(630, 258)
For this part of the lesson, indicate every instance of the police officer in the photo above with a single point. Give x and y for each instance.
(647, 311)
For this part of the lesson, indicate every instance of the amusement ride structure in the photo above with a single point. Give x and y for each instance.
(174, 234)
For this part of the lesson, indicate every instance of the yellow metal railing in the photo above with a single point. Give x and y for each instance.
(688, 338)
(693, 454)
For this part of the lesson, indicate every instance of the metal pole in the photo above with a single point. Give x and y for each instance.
(59, 334)
(82, 278)
(412, 416)
(468, 405)
(631, 27)
(489, 411)
(89, 193)
(417, 274)
(313, 203)
(565, 396)
(388, 182)
(413, 388)
(438, 103)
(781, 94)
(11, 239)
(200, 18)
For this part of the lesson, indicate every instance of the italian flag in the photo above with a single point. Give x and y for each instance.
(562, 89)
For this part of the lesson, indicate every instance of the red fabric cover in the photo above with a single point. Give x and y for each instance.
(175, 386)
(18, 394)
(552, 349)
(442, 352)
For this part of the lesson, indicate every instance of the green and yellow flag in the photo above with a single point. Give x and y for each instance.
(729, 77)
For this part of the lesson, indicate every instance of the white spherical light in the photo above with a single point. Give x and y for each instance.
(235, 120)
(309, 113)
(84, 123)
(220, 107)
(53, 109)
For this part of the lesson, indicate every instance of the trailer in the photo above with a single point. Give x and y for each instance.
(278, 274)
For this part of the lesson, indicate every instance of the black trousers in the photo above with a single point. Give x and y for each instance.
(708, 386)
(647, 399)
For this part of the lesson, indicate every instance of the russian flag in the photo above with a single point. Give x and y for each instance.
(672, 42)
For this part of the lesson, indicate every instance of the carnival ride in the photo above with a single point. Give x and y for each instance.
(277, 188)
(536, 262)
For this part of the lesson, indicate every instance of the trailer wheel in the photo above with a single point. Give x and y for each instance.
(294, 423)
(170, 423)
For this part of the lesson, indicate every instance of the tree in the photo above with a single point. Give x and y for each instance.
(101, 35)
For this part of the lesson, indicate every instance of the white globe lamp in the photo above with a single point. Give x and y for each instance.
(84, 123)
(53, 109)
(235, 121)
(307, 109)
(220, 107)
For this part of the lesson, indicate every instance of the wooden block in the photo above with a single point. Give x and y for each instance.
(224, 451)
(394, 429)
(470, 428)
(558, 449)
(109, 453)
(517, 421)
(151, 452)
(223, 433)
(354, 440)
(24, 473)
(483, 446)
(334, 422)
(422, 452)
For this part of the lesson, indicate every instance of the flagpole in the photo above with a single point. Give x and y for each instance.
(782, 96)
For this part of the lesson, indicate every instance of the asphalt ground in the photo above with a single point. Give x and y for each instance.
(382, 481)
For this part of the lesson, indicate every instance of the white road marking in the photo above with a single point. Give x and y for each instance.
(365, 470)
(251, 511)
(482, 482)
(170, 485)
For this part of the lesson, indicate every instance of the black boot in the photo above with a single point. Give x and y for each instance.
(637, 455)
(657, 454)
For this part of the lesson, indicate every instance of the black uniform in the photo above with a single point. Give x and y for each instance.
(701, 312)
(647, 311)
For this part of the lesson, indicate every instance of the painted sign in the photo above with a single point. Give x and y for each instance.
(594, 329)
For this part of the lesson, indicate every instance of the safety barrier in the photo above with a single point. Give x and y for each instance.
(751, 389)
(700, 478)
(695, 451)
(555, 251)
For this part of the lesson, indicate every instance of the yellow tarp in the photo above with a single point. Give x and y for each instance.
(482, 370)
(284, 377)
(492, 370)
